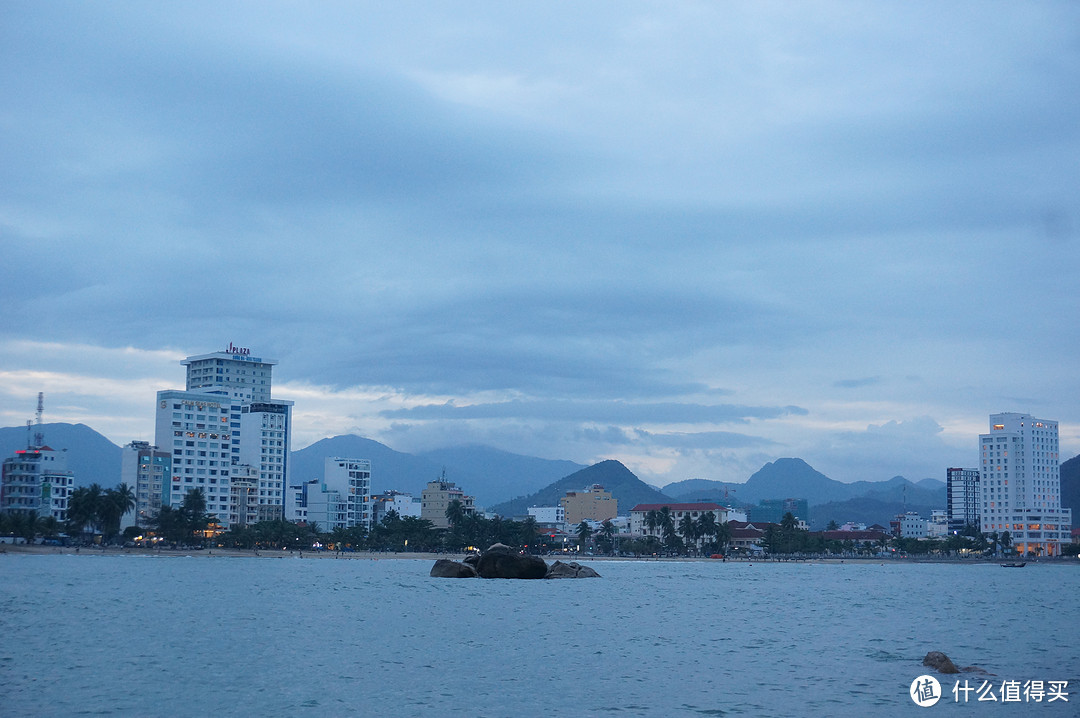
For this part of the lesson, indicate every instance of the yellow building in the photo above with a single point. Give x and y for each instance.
(437, 497)
(593, 503)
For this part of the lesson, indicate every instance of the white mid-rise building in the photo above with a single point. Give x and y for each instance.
(342, 499)
(351, 478)
(1020, 485)
(36, 480)
(964, 507)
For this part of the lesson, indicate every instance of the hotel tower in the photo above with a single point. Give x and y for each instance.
(1020, 486)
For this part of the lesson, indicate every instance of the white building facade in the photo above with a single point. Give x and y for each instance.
(1021, 484)
(548, 515)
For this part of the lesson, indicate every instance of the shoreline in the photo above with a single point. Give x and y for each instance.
(37, 550)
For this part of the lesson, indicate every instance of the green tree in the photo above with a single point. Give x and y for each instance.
(833, 526)
(667, 524)
(707, 528)
(652, 521)
(605, 537)
(84, 509)
(1005, 541)
(455, 513)
(584, 532)
(688, 529)
(723, 537)
(112, 506)
(194, 513)
(26, 525)
(528, 532)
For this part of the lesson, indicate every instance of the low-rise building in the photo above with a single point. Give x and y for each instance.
(436, 498)
(402, 504)
(548, 515)
(36, 480)
(640, 523)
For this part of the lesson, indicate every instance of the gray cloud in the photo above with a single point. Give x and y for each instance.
(605, 412)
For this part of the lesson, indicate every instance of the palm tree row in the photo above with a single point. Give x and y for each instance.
(99, 510)
(29, 525)
(183, 524)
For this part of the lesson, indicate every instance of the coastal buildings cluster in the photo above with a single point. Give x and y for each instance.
(227, 436)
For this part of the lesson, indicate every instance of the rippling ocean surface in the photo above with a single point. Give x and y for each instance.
(171, 636)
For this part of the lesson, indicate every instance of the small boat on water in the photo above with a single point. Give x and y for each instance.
(1014, 565)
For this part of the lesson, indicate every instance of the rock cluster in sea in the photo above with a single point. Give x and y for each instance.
(500, 561)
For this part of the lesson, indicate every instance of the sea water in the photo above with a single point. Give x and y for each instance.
(217, 636)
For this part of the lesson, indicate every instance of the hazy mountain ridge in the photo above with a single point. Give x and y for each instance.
(91, 456)
(1070, 488)
(624, 486)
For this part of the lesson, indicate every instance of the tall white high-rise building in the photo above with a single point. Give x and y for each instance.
(226, 418)
(1020, 485)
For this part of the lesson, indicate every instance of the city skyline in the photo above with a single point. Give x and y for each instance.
(692, 239)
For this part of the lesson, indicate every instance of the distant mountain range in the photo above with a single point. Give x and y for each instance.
(830, 500)
(488, 474)
(494, 477)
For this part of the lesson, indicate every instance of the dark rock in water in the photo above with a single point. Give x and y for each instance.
(570, 570)
(472, 559)
(940, 662)
(500, 548)
(445, 568)
(510, 565)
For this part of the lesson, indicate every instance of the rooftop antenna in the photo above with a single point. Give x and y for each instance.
(39, 435)
(29, 439)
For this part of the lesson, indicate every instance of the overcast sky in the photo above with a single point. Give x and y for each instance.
(694, 237)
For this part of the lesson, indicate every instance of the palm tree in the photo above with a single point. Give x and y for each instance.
(606, 536)
(583, 532)
(723, 537)
(455, 513)
(652, 520)
(84, 509)
(194, 513)
(1005, 540)
(527, 531)
(26, 525)
(688, 529)
(667, 523)
(706, 525)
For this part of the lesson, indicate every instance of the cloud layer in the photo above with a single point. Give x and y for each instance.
(692, 237)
